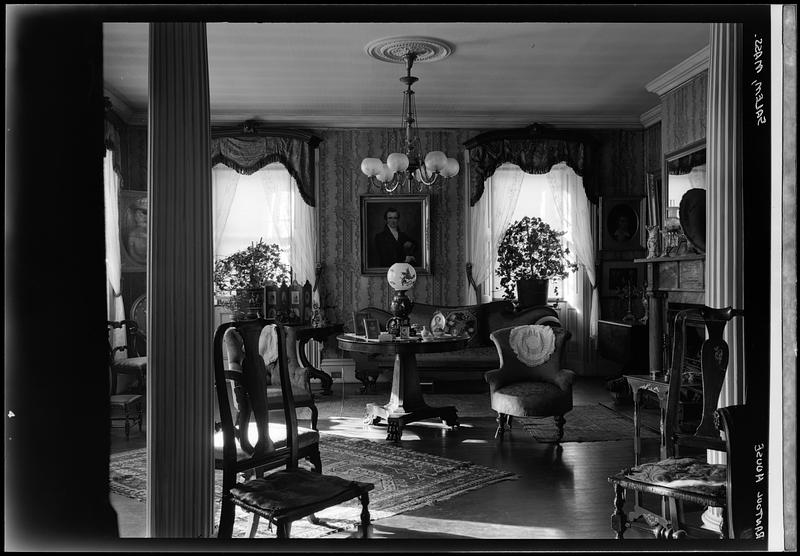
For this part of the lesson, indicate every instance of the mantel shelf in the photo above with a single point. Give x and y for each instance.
(693, 257)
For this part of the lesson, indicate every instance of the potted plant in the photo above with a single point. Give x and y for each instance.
(530, 253)
(243, 274)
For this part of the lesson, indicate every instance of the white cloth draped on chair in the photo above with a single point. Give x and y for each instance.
(533, 344)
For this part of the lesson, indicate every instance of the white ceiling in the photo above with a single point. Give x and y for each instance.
(499, 74)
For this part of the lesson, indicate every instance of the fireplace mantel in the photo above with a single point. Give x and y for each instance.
(680, 279)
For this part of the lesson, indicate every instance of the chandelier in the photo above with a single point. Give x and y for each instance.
(409, 169)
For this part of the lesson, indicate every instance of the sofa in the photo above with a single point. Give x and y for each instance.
(476, 321)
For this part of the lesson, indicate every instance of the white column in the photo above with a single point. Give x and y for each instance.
(180, 470)
(724, 280)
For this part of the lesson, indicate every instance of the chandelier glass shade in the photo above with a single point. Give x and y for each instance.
(409, 169)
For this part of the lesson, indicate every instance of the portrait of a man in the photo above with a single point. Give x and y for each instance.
(394, 230)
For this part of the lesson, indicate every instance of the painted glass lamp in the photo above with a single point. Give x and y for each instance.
(401, 276)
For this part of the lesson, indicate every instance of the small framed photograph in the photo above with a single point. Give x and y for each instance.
(618, 274)
(395, 229)
(372, 329)
(358, 322)
(622, 226)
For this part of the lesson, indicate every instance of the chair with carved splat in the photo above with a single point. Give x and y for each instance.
(687, 479)
(252, 439)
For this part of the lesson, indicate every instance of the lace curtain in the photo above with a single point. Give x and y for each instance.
(115, 307)
(224, 181)
(288, 220)
(492, 212)
(573, 208)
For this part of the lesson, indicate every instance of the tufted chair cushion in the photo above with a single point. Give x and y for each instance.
(685, 473)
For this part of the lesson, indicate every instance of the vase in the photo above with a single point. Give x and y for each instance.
(532, 292)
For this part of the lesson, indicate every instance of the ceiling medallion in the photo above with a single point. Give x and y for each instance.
(395, 49)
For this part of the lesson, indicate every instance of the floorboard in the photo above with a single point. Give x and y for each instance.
(562, 492)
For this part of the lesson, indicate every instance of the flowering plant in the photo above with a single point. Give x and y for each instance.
(252, 267)
(529, 249)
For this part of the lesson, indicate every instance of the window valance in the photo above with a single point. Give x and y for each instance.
(535, 149)
(247, 150)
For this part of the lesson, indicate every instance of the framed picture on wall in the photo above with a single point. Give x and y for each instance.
(395, 229)
(133, 230)
(617, 274)
(622, 224)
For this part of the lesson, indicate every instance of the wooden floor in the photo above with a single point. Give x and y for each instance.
(562, 494)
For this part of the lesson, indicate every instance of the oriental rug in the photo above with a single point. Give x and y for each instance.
(404, 480)
(585, 423)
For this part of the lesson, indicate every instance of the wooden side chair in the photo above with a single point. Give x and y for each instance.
(687, 479)
(280, 491)
(125, 406)
(529, 383)
(235, 354)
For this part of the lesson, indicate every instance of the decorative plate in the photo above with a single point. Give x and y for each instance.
(438, 322)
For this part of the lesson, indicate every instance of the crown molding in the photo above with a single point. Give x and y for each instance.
(483, 121)
(694, 65)
(651, 117)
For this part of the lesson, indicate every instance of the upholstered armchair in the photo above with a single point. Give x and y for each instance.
(530, 381)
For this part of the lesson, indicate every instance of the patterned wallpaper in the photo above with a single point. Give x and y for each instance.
(342, 183)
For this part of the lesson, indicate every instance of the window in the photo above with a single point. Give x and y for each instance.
(535, 199)
(262, 207)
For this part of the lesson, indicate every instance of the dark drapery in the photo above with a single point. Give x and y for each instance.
(112, 143)
(684, 164)
(535, 149)
(248, 149)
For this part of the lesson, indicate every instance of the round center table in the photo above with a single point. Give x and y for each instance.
(406, 403)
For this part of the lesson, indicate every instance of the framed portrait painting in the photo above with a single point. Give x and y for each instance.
(133, 230)
(622, 223)
(395, 229)
(618, 274)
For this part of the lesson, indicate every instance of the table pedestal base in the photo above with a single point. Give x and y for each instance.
(398, 417)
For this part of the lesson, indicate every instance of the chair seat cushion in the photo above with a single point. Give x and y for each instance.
(290, 490)
(277, 432)
(523, 399)
(123, 400)
(683, 473)
(131, 365)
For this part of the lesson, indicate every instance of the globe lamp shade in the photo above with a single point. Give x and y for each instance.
(401, 276)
